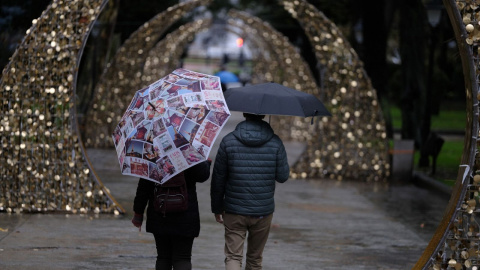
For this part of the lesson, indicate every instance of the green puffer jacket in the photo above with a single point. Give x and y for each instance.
(249, 161)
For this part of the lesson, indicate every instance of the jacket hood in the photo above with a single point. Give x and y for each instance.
(253, 132)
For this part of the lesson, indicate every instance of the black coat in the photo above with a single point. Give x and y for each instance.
(183, 224)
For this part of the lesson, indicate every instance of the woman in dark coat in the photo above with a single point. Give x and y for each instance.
(174, 233)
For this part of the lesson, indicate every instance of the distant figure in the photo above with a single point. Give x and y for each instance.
(244, 77)
(225, 59)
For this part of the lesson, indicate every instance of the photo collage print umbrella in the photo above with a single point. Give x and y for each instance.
(170, 125)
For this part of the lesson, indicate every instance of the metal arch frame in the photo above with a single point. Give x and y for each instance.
(430, 258)
(74, 118)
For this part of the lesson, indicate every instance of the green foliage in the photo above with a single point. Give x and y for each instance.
(449, 120)
(396, 117)
(451, 155)
(446, 120)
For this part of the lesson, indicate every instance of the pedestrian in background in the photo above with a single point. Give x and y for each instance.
(173, 232)
(249, 162)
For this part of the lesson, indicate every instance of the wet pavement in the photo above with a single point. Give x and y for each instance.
(317, 224)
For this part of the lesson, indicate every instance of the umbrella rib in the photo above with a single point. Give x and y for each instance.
(260, 103)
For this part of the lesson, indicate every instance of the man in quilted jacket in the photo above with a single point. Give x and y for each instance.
(249, 162)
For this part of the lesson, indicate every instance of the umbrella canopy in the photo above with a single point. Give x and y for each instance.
(170, 125)
(227, 76)
(274, 99)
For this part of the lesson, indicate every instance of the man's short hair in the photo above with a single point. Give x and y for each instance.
(250, 116)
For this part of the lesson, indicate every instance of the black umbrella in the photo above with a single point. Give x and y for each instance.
(274, 99)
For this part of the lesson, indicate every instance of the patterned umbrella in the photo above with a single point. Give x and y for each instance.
(170, 125)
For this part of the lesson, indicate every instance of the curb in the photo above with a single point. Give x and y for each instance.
(426, 181)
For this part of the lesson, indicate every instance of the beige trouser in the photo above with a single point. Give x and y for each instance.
(236, 228)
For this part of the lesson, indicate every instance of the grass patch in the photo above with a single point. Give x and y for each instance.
(396, 117)
(448, 162)
(450, 120)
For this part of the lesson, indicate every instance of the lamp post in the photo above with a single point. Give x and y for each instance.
(434, 14)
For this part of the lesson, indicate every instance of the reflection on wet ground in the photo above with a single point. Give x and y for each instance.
(318, 224)
(341, 225)
(418, 208)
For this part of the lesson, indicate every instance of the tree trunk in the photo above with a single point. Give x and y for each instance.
(375, 33)
(412, 44)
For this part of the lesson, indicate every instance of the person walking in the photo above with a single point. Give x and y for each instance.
(249, 162)
(173, 232)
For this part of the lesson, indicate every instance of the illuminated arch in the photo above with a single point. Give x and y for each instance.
(457, 239)
(44, 166)
(353, 141)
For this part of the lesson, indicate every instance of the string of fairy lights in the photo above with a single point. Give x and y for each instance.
(43, 165)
